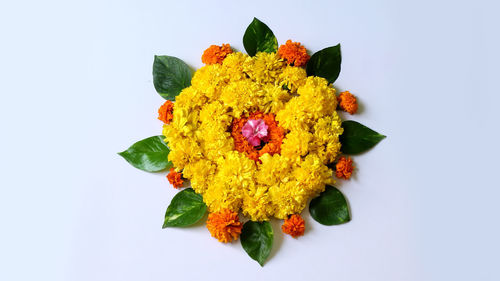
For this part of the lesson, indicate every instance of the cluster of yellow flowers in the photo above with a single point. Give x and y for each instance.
(201, 145)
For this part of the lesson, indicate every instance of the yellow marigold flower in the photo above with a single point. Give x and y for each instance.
(183, 152)
(233, 64)
(224, 225)
(294, 226)
(288, 198)
(348, 102)
(273, 170)
(210, 80)
(294, 53)
(264, 67)
(344, 168)
(242, 96)
(191, 99)
(216, 54)
(312, 175)
(256, 203)
(316, 99)
(292, 78)
(274, 98)
(296, 144)
(235, 173)
(325, 142)
(200, 173)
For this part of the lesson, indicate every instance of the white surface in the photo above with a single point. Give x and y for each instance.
(76, 88)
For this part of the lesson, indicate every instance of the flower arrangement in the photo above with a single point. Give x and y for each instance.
(257, 135)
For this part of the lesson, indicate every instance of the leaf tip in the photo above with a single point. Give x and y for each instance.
(255, 19)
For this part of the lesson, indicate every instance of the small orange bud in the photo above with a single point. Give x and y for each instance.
(175, 178)
(347, 102)
(294, 226)
(344, 168)
(293, 53)
(224, 225)
(165, 112)
(216, 54)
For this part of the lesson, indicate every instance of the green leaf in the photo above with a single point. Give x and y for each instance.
(257, 240)
(150, 155)
(358, 138)
(170, 76)
(187, 207)
(325, 63)
(259, 38)
(330, 207)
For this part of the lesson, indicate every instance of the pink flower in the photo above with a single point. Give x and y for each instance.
(255, 131)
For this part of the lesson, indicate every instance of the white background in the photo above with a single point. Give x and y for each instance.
(76, 87)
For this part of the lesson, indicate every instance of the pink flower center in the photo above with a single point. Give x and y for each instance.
(255, 131)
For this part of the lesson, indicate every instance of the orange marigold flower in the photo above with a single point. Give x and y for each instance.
(275, 135)
(294, 226)
(294, 53)
(216, 54)
(175, 178)
(347, 102)
(224, 225)
(344, 168)
(165, 112)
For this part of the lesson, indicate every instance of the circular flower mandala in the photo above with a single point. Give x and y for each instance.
(254, 134)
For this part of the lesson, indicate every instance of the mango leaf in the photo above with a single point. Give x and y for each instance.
(325, 63)
(257, 240)
(330, 207)
(170, 76)
(358, 138)
(186, 208)
(259, 38)
(150, 155)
